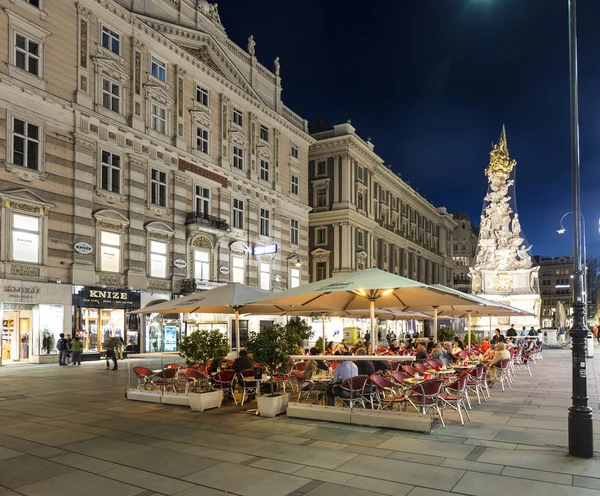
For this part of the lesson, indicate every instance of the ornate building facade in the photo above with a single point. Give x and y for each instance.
(365, 216)
(144, 154)
(465, 247)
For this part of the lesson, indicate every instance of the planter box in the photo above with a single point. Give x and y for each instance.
(392, 420)
(149, 396)
(175, 399)
(271, 406)
(205, 401)
(319, 412)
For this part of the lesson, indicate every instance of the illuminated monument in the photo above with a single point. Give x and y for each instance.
(503, 269)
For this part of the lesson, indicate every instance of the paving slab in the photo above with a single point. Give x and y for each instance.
(21, 470)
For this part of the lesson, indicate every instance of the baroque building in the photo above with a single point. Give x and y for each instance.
(464, 249)
(144, 154)
(364, 215)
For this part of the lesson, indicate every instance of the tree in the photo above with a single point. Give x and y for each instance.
(202, 345)
(445, 334)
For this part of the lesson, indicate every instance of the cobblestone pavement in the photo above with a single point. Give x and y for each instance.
(69, 431)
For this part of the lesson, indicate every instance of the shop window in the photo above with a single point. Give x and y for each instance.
(25, 238)
(110, 251)
(158, 259)
(202, 265)
(294, 278)
(265, 275)
(238, 269)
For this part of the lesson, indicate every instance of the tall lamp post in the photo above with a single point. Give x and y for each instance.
(562, 230)
(581, 441)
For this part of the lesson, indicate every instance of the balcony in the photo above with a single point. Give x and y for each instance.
(193, 285)
(206, 220)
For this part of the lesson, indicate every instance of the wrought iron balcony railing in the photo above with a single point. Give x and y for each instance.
(203, 219)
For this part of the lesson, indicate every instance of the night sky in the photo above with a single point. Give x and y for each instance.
(432, 82)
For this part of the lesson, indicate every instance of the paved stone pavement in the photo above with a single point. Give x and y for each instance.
(69, 431)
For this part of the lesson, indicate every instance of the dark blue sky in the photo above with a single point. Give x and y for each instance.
(432, 82)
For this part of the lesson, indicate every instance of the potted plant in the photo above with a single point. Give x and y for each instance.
(198, 348)
(271, 348)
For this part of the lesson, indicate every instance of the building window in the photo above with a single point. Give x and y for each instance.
(294, 278)
(294, 232)
(321, 271)
(238, 213)
(202, 95)
(110, 175)
(202, 200)
(322, 197)
(158, 118)
(265, 275)
(111, 40)
(158, 259)
(27, 54)
(264, 133)
(294, 151)
(238, 157)
(321, 236)
(159, 69)
(202, 265)
(202, 140)
(359, 173)
(111, 95)
(25, 238)
(238, 269)
(321, 168)
(110, 251)
(265, 222)
(35, 3)
(295, 185)
(360, 239)
(158, 188)
(238, 117)
(26, 144)
(264, 170)
(359, 201)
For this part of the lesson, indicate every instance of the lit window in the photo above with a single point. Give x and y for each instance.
(265, 222)
(238, 117)
(294, 278)
(158, 259)
(202, 140)
(111, 40)
(321, 271)
(238, 157)
(321, 168)
(321, 236)
(110, 175)
(294, 232)
(27, 54)
(202, 200)
(26, 144)
(264, 170)
(265, 276)
(238, 272)
(294, 151)
(158, 118)
(238, 213)
(264, 133)
(110, 251)
(159, 69)
(202, 265)
(158, 188)
(202, 95)
(295, 185)
(26, 238)
(111, 95)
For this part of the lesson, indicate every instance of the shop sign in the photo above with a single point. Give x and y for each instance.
(224, 270)
(14, 289)
(180, 263)
(201, 171)
(83, 248)
(264, 249)
(108, 298)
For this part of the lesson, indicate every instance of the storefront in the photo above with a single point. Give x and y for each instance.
(33, 314)
(102, 313)
(162, 333)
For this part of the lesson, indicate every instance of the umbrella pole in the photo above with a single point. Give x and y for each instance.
(469, 328)
(324, 345)
(237, 330)
(435, 324)
(490, 325)
(372, 312)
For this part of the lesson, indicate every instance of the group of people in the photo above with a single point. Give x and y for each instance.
(70, 350)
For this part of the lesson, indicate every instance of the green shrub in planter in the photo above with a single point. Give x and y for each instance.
(202, 345)
(445, 334)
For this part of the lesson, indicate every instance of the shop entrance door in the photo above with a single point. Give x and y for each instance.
(16, 336)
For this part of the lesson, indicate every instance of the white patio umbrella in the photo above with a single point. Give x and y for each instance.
(370, 288)
(232, 298)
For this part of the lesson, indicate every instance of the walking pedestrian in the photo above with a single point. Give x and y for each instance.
(69, 342)
(62, 345)
(76, 350)
(119, 347)
(109, 347)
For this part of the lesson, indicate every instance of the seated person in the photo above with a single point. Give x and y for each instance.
(330, 347)
(394, 347)
(409, 344)
(421, 356)
(501, 354)
(485, 344)
(438, 355)
(242, 362)
(381, 366)
(430, 346)
(459, 343)
(365, 367)
(321, 365)
(344, 371)
(450, 358)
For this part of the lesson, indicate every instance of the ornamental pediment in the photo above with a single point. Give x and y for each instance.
(201, 115)
(264, 151)
(238, 137)
(360, 187)
(111, 68)
(158, 93)
(25, 196)
(320, 182)
(320, 255)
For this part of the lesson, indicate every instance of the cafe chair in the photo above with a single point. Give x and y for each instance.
(502, 372)
(455, 394)
(193, 379)
(247, 383)
(425, 397)
(385, 394)
(477, 383)
(352, 391)
(410, 370)
(144, 378)
(224, 380)
(434, 365)
(421, 368)
(400, 377)
(167, 379)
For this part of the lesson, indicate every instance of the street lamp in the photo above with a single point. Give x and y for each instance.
(562, 230)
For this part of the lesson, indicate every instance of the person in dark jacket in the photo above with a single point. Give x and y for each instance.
(421, 356)
(365, 367)
(243, 362)
(498, 337)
